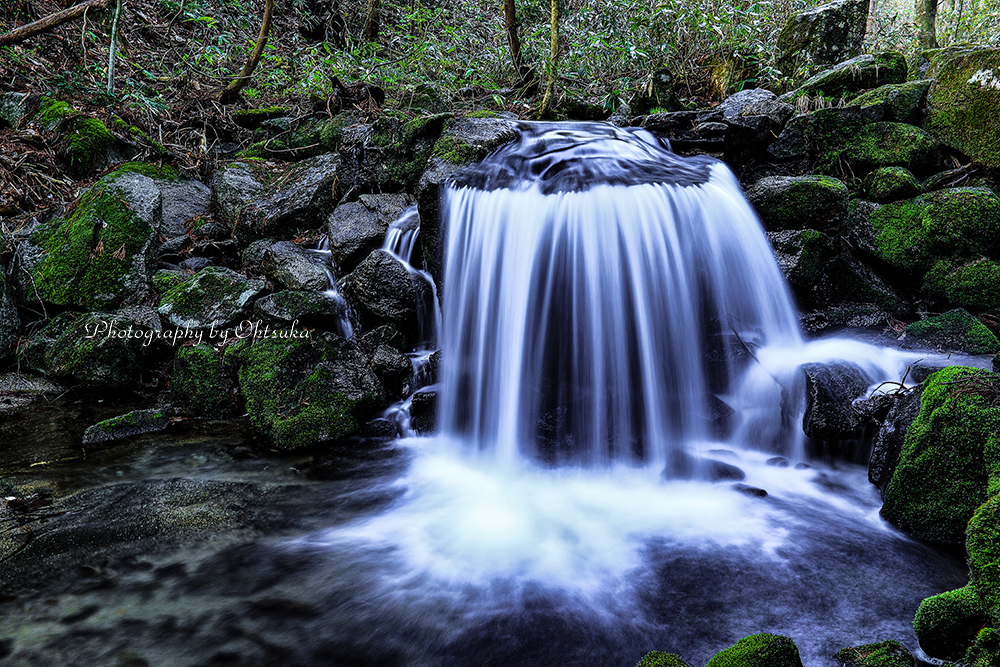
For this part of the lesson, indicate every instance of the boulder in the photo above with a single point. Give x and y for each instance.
(102, 253)
(803, 257)
(296, 268)
(214, 298)
(947, 624)
(825, 35)
(84, 142)
(897, 102)
(233, 186)
(661, 659)
(384, 291)
(974, 285)
(831, 389)
(891, 435)
(423, 410)
(13, 109)
(983, 545)
(301, 392)
(299, 200)
(357, 228)
(463, 141)
(184, 201)
(201, 383)
(889, 184)
(941, 477)
(853, 75)
(985, 652)
(762, 650)
(954, 331)
(882, 654)
(392, 367)
(966, 90)
(886, 144)
(125, 426)
(792, 202)
(309, 309)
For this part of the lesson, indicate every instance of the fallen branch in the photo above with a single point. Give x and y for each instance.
(49, 22)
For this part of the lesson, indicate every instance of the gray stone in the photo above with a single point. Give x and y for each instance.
(309, 309)
(215, 297)
(423, 410)
(126, 426)
(295, 268)
(889, 440)
(824, 35)
(183, 201)
(384, 291)
(10, 321)
(831, 389)
(233, 187)
(13, 108)
(357, 228)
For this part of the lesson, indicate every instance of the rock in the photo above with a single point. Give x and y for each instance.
(986, 651)
(947, 624)
(897, 102)
(818, 137)
(84, 141)
(941, 477)
(778, 462)
(966, 90)
(423, 410)
(96, 349)
(251, 119)
(955, 331)
(13, 109)
(299, 200)
(309, 309)
(295, 268)
(975, 285)
(824, 35)
(215, 297)
(762, 650)
(889, 184)
(912, 235)
(386, 334)
(803, 257)
(661, 659)
(312, 137)
(752, 491)
(891, 145)
(102, 254)
(891, 435)
(831, 389)
(10, 321)
(860, 231)
(164, 279)
(883, 654)
(355, 229)
(854, 315)
(392, 367)
(622, 116)
(200, 382)
(383, 291)
(426, 97)
(689, 132)
(791, 202)
(234, 186)
(305, 391)
(195, 264)
(126, 426)
(657, 94)
(852, 75)
(184, 200)
(390, 155)
(983, 544)
(720, 471)
(463, 141)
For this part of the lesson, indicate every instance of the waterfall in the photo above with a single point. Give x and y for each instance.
(604, 301)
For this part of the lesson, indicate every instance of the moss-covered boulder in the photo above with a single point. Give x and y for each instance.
(897, 102)
(818, 137)
(974, 285)
(954, 331)
(824, 35)
(102, 252)
(887, 145)
(985, 652)
(912, 235)
(762, 650)
(882, 654)
(201, 383)
(137, 422)
(947, 624)
(298, 201)
(941, 478)
(661, 659)
(301, 392)
(312, 137)
(889, 184)
(792, 202)
(393, 153)
(966, 90)
(84, 141)
(215, 297)
(309, 309)
(97, 349)
(852, 75)
(251, 119)
(983, 549)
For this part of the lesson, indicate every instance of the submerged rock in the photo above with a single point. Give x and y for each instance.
(762, 650)
(126, 426)
(882, 654)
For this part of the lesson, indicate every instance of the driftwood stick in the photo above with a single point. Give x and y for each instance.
(49, 22)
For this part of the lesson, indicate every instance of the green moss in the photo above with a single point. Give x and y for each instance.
(975, 285)
(955, 330)
(485, 113)
(155, 171)
(661, 659)
(941, 477)
(199, 380)
(888, 184)
(947, 624)
(761, 650)
(900, 102)
(313, 137)
(892, 144)
(128, 425)
(164, 280)
(51, 112)
(985, 652)
(882, 654)
(983, 549)
(214, 294)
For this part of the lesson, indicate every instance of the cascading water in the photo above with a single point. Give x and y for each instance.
(604, 296)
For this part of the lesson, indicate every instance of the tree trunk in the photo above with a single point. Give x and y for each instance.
(49, 22)
(373, 23)
(553, 61)
(925, 13)
(870, 26)
(510, 22)
(230, 93)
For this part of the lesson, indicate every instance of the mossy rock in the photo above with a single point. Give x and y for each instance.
(956, 222)
(761, 650)
(819, 136)
(956, 331)
(395, 154)
(887, 145)
(853, 75)
(199, 380)
(898, 102)
(889, 184)
(164, 280)
(985, 652)
(312, 137)
(84, 141)
(215, 297)
(941, 477)
(823, 35)
(302, 392)
(101, 255)
(661, 659)
(882, 654)
(137, 422)
(975, 285)
(96, 349)
(947, 624)
(251, 119)
(789, 202)
(983, 549)
(965, 93)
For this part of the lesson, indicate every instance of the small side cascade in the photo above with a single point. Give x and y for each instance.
(344, 327)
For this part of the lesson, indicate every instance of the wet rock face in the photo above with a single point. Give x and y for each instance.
(357, 228)
(309, 309)
(385, 292)
(825, 35)
(831, 389)
(891, 436)
(295, 268)
(215, 297)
